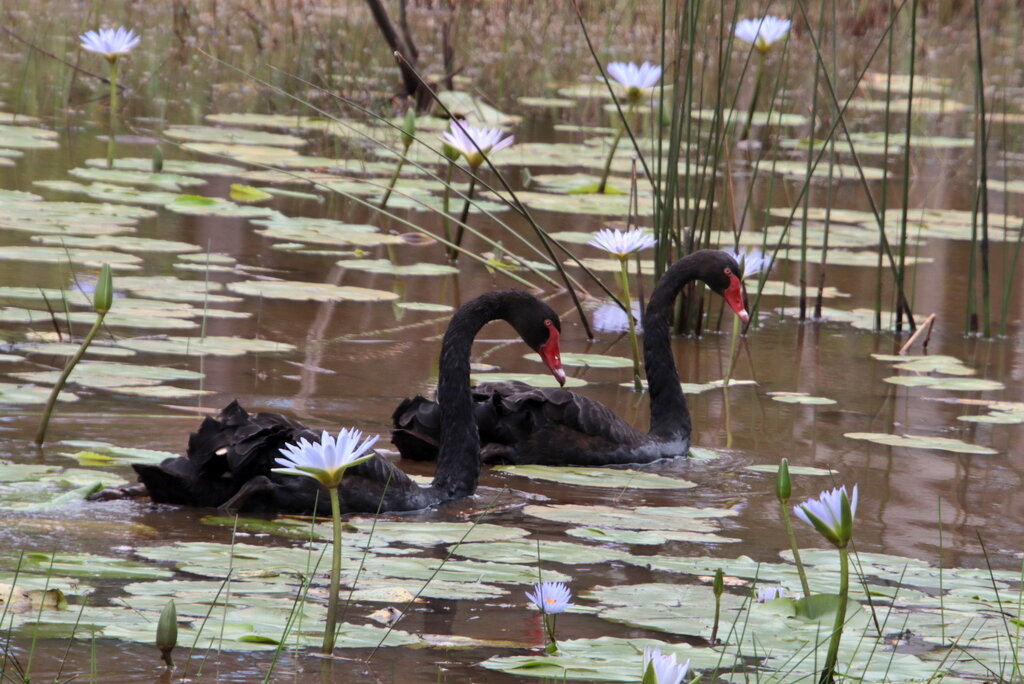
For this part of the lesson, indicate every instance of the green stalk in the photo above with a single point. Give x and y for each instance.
(445, 204)
(986, 303)
(634, 345)
(829, 671)
(332, 599)
(549, 627)
(112, 132)
(453, 253)
(611, 153)
(732, 348)
(901, 270)
(391, 183)
(788, 522)
(757, 91)
(68, 367)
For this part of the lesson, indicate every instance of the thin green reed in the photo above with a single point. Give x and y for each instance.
(982, 164)
(901, 271)
(885, 173)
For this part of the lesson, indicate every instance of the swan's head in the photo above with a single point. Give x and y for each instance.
(539, 326)
(725, 276)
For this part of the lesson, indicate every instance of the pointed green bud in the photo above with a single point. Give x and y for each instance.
(450, 152)
(167, 632)
(103, 298)
(845, 521)
(719, 584)
(409, 127)
(158, 159)
(783, 485)
(650, 675)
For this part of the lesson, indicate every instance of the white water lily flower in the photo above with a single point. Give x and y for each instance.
(753, 261)
(551, 597)
(327, 459)
(827, 515)
(666, 669)
(637, 80)
(762, 33)
(622, 243)
(766, 594)
(475, 142)
(111, 43)
(611, 318)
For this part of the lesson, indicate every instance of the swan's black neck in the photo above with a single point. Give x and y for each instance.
(458, 459)
(670, 417)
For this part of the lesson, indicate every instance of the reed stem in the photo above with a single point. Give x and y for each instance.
(115, 71)
(59, 385)
(330, 629)
(634, 344)
(603, 184)
(829, 671)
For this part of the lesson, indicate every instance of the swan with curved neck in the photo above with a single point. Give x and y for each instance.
(520, 424)
(229, 460)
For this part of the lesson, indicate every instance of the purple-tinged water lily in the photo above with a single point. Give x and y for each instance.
(666, 669)
(831, 514)
(111, 43)
(474, 143)
(622, 243)
(326, 460)
(551, 598)
(763, 32)
(637, 80)
(753, 261)
(766, 594)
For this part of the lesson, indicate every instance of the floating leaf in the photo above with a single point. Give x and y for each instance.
(211, 345)
(247, 193)
(30, 394)
(233, 136)
(597, 477)
(302, 291)
(800, 398)
(535, 379)
(385, 266)
(105, 374)
(922, 442)
(951, 384)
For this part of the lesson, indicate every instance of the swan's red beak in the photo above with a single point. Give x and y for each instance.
(551, 355)
(734, 297)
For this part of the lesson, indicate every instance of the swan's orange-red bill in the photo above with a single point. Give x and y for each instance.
(734, 297)
(551, 355)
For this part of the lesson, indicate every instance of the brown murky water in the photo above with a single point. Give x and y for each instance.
(344, 373)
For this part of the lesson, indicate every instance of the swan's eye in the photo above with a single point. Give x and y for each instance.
(548, 323)
(728, 271)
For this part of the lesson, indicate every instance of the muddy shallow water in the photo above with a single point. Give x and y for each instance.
(354, 361)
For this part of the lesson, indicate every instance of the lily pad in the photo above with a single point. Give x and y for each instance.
(233, 136)
(950, 384)
(597, 477)
(922, 442)
(535, 379)
(325, 232)
(210, 345)
(800, 398)
(30, 394)
(386, 267)
(105, 375)
(301, 291)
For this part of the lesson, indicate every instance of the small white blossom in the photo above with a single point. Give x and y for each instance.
(752, 262)
(551, 597)
(611, 318)
(475, 142)
(630, 75)
(111, 43)
(825, 514)
(762, 33)
(622, 243)
(327, 459)
(766, 594)
(666, 669)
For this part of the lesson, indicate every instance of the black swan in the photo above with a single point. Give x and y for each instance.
(229, 460)
(520, 424)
